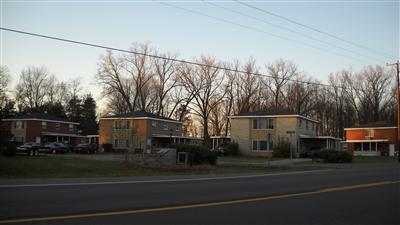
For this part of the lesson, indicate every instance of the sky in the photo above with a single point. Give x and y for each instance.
(231, 36)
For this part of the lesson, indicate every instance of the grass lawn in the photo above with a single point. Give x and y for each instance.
(374, 159)
(58, 167)
(249, 159)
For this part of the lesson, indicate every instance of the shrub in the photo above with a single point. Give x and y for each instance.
(10, 149)
(197, 155)
(231, 149)
(332, 156)
(281, 149)
(107, 147)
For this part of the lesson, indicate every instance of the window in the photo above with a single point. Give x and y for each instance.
(313, 126)
(19, 139)
(261, 145)
(259, 124)
(369, 133)
(44, 125)
(165, 127)
(71, 127)
(119, 124)
(177, 128)
(19, 125)
(306, 125)
(57, 126)
(121, 143)
(153, 123)
(366, 146)
(300, 122)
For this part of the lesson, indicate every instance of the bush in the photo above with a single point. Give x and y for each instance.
(107, 147)
(231, 149)
(332, 156)
(197, 155)
(10, 149)
(281, 149)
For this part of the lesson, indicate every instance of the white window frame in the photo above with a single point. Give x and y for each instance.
(269, 124)
(258, 143)
(44, 125)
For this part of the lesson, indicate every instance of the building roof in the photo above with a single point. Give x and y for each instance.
(40, 117)
(374, 125)
(270, 113)
(139, 114)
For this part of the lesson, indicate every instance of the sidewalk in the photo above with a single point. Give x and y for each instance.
(284, 162)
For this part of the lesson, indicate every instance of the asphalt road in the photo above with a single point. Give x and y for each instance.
(316, 197)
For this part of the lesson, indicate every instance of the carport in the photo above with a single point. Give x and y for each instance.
(309, 143)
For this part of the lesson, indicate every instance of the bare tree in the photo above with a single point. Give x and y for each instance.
(5, 79)
(247, 85)
(300, 95)
(164, 81)
(206, 82)
(281, 72)
(31, 88)
(112, 76)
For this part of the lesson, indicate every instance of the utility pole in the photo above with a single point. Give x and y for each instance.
(397, 64)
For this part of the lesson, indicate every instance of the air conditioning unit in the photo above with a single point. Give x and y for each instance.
(368, 137)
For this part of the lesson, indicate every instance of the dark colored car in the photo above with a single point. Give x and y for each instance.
(55, 148)
(85, 148)
(29, 148)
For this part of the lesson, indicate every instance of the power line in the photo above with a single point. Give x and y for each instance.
(316, 30)
(260, 31)
(290, 30)
(163, 57)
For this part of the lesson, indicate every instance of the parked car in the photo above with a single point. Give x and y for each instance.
(69, 146)
(29, 148)
(55, 148)
(85, 148)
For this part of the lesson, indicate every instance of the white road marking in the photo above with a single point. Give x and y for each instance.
(158, 181)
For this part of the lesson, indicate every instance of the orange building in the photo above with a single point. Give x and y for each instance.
(374, 139)
(140, 131)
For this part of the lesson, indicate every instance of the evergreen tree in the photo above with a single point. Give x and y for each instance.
(88, 123)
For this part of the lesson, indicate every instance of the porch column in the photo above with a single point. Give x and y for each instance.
(370, 147)
(213, 144)
(362, 146)
(376, 146)
(327, 144)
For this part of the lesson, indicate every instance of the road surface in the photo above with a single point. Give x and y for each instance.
(368, 194)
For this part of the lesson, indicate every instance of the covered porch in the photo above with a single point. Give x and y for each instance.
(368, 147)
(163, 141)
(50, 137)
(309, 143)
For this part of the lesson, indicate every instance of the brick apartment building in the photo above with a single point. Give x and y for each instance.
(373, 139)
(257, 132)
(42, 128)
(140, 131)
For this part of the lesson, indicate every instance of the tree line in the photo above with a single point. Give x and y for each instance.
(209, 94)
(204, 96)
(37, 90)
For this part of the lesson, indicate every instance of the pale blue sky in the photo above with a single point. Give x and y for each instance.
(370, 23)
